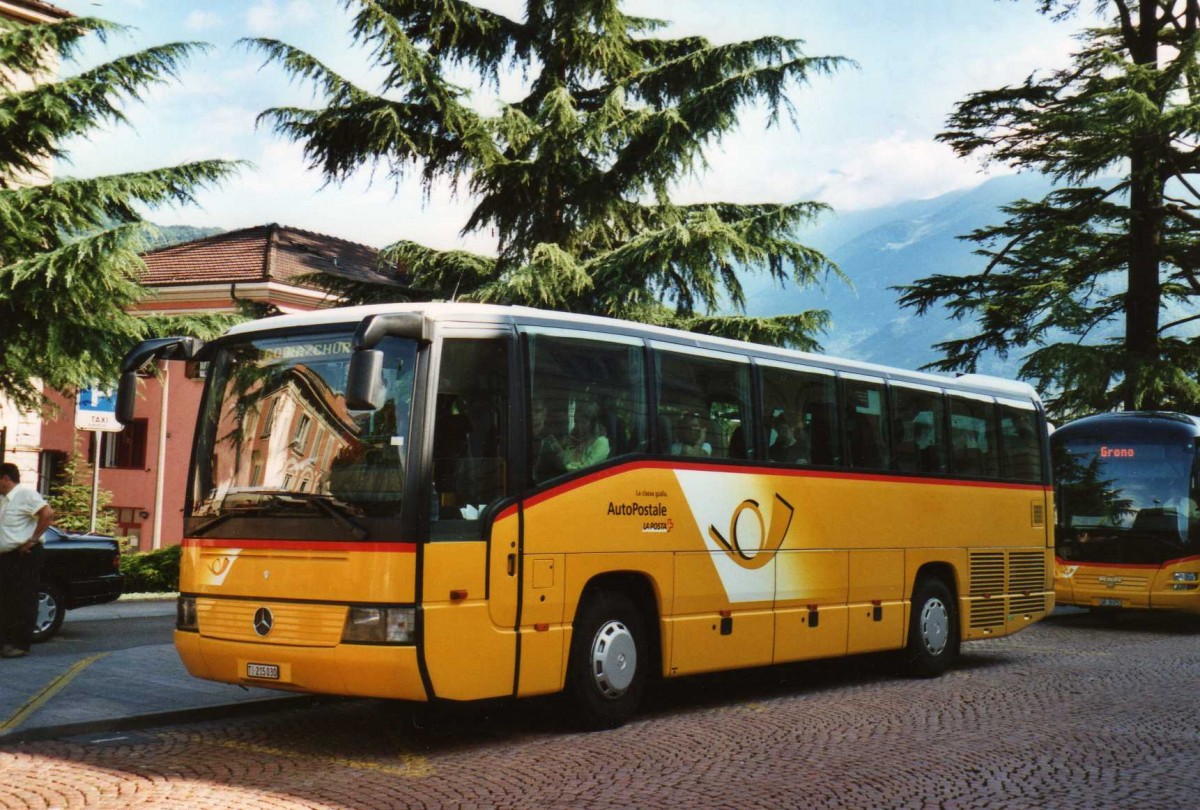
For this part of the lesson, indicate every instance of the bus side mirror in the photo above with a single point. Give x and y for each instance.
(363, 378)
(127, 397)
(170, 348)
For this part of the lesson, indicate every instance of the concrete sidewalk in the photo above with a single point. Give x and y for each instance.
(44, 697)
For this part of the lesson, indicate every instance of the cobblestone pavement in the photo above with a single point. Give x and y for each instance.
(1068, 714)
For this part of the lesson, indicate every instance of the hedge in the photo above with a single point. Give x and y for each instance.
(152, 571)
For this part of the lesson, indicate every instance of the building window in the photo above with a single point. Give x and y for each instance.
(125, 450)
(300, 437)
(52, 465)
(268, 420)
(129, 526)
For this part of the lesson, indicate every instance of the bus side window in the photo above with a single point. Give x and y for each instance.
(587, 403)
(865, 422)
(800, 408)
(1022, 460)
(974, 448)
(705, 402)
(918, 430)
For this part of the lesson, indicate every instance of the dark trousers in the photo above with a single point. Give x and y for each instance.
(20, 573)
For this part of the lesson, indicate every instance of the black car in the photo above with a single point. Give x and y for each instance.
(77, 570)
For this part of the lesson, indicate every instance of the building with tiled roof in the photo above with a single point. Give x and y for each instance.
(34, 11)
(145, 465)
(267, 264)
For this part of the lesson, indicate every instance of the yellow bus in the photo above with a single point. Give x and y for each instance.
(458, 502)
(1128, 526)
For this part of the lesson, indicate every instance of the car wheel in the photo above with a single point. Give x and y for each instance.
(607, 670)
(50, 612)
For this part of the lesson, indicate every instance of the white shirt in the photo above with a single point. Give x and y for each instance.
(18, 516)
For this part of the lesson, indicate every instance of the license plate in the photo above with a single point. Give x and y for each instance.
(270, 671)
(1110, 602)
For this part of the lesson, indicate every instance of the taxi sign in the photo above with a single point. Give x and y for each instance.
(96, 410)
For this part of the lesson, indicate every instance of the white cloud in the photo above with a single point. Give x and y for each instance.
(894, 169)
(268, 17)
(199, 20)
(363, 209)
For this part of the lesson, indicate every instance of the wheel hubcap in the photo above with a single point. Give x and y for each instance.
(614, 659)
(935, 626)
(47, 610)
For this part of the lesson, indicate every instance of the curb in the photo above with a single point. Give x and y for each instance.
(177, 716)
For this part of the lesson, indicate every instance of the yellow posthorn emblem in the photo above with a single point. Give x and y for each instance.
(770, 536)
(220, 566)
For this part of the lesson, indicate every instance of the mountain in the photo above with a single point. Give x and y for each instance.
(889, 246)
(166, 235)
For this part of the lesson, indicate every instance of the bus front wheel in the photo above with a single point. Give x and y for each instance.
(933, 635)
(607, 667)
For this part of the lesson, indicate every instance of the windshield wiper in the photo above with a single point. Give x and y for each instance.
(341, 518)
(197, 531)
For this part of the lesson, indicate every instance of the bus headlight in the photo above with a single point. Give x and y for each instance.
(379, 625)
(185, 614)
(1188, 577)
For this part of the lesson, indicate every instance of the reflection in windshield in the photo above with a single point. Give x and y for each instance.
(279, 455)
(1126, 502)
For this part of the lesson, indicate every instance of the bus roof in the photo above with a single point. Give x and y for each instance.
(497, 314)
(1125, 422)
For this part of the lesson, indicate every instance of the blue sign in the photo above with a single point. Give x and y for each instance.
(96, 410)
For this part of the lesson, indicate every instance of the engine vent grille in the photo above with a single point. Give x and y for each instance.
(987, 613)
(1018, 605)
(987, 573)
(1026, 572)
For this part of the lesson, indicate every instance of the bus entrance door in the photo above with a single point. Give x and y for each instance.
(470, 565)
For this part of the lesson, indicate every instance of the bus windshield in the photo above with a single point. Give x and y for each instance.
(279, 456)
(1126, 501)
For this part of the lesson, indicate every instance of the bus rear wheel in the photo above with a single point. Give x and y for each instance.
(933, 633)
(606, 672)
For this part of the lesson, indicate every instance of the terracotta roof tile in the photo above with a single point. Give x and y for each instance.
(263, 253)
(41, 7)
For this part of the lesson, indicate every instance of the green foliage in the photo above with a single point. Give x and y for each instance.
(152, 571)
(1097, 255)
(72, 499)
(160, 236)
(575, 178)
(69, 265)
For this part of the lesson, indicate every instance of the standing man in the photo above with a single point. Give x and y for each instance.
(24, 515)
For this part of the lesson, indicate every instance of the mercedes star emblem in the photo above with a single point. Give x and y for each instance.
(263, 621)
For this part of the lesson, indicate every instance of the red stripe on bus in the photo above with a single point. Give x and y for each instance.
(1152, 566)
(300, 545)
(842, 476)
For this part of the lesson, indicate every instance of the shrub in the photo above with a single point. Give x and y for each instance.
(152, 571)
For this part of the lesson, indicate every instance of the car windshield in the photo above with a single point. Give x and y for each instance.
(278, 454)
(1126, 501)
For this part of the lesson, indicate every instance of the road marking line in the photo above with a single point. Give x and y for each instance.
(50, 690)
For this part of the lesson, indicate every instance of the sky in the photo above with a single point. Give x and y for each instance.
(863, 137)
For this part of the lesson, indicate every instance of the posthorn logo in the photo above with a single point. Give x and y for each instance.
(263, 620)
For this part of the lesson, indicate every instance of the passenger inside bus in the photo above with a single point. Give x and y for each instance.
(690, 438)
(587, 443)
(790, 442)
